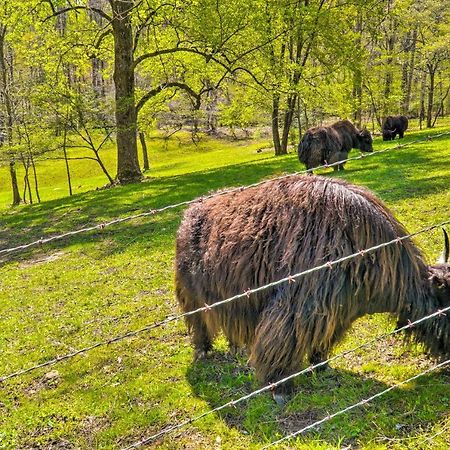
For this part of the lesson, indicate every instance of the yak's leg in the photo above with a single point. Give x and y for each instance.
(201, 336)
(400, 134)
(318, 356)
(274, 353)
(340, 156)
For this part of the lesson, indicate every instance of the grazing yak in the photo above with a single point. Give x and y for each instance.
(328, 145)
(394, 125)
(242, 240)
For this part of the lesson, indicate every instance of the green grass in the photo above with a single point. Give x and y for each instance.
(87, 288)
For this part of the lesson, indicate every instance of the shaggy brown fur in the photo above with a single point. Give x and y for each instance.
(246, 239)
(322, 145)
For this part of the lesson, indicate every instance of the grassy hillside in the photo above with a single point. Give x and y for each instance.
(68, 295)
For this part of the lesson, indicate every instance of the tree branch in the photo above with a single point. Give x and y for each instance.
(75, 8)
(161, 87)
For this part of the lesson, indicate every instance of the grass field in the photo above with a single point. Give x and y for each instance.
(61, 297)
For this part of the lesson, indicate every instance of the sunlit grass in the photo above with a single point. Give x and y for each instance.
(87, 288)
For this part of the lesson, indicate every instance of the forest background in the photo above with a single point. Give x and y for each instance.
(77, 76)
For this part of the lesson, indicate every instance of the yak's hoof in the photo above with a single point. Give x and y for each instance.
(280, 399)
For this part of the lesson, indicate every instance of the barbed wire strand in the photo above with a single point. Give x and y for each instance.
(290, 278)
(152, 212)
(355, 405)
(272, 386)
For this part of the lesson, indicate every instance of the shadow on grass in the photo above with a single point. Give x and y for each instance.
(397, 414)
(389, 175)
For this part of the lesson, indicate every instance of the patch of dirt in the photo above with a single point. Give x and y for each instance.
(41, 259)
(48, 381)
(52, 445)
(290, 423)
(92, 425)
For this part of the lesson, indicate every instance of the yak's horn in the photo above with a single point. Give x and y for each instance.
(445, 254)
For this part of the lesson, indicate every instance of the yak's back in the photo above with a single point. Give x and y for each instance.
(241, 240)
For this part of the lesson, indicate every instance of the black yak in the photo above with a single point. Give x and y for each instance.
(241, 240)
(328, 145)
(394, 125)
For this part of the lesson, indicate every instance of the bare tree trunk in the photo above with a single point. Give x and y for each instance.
(441, 106)
(288, 118)
(431, 72)
(15, 187)
(357, 75)
(126, 118)
(26, 180)
(357, 95)
(103, 167)
(144, 150)
(408, 73)
(36, 186)
(275, 129)
(299, 119)
(9, 113)
(69, 181)
(422, 99)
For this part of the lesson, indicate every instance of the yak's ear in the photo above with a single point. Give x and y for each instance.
(445, 253)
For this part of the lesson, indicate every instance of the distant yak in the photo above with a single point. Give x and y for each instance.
(242, 240)
(394, 125)
(330, 144)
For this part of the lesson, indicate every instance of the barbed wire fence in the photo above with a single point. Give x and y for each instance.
(355, 405)
(155, 211)
(247, 294)
(289, 279)
(272, 386)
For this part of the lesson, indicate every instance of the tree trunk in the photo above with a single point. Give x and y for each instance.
(103, 167)
(357, 74)
(4, 86)
(144, 150)
(299, 119)
(431, 72)
(275, 129)
(357, 95)
(128, 170)
(26, 180)
(15, 187)
(422, 99)
(288, 118)
(409, 74)
(36, 186)
(69, 181)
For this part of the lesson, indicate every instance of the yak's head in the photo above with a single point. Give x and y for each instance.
(365, 141)
(439, 276)
(434, 333)
(388, 135)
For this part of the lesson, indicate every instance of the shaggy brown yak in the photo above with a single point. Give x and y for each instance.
(246, 239)
(330, 144)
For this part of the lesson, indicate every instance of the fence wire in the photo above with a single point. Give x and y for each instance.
(247, 294)
(152, 212)
(272, 386)
(355, 405)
